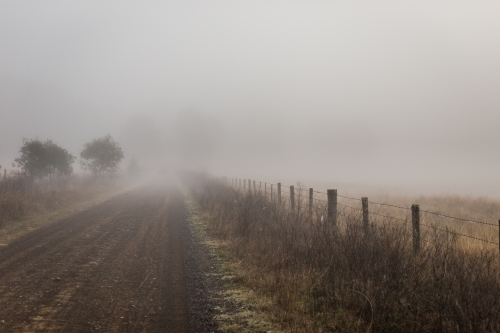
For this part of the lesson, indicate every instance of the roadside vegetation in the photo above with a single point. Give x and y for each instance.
(322, 278)
(22, 198)
(45, 182)
(474, 218)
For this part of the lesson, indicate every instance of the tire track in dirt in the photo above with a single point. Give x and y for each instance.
(117, 267)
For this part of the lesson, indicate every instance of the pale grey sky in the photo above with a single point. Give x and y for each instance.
(386, 93)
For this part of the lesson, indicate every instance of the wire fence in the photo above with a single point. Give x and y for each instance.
(371, 211)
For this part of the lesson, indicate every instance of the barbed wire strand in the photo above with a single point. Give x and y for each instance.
(389, 205)
(458, 218)
(343, 196)
(320, 192)
(458, 234)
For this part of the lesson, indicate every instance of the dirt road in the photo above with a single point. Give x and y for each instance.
(129, 264)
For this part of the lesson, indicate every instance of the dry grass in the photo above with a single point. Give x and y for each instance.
(342, 279)
(464, 208)
(21, 199)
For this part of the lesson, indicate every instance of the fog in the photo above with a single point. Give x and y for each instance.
(388, 95)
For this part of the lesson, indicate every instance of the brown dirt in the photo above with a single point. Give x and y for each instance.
(129, 264)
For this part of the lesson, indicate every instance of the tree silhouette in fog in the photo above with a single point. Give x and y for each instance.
(133, 169)
(101, 156)
(44, 159)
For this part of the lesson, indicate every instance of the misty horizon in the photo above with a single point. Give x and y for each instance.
(388, 97)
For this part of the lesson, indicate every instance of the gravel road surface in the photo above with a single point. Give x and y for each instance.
(129, 264)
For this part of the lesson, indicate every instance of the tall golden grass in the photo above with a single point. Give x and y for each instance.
(475, 220)
(325, 278)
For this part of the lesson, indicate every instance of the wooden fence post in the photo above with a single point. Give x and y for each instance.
(265, 189)
(4, 175)
(332, 206)
(310, 202)
(292, 197)
(271, 192)
(366, 222)
(279, 193)
(415, 222)
(254, 188)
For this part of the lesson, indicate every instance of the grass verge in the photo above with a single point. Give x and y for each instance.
(244, 310)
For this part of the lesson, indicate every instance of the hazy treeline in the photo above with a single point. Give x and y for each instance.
(40, 160)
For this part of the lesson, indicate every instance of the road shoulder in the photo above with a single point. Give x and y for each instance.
(17, 229)
(236, 308)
